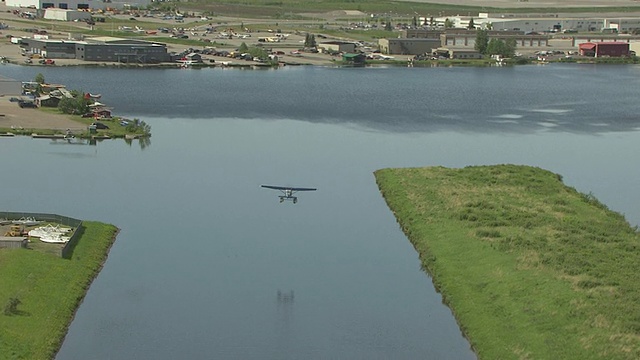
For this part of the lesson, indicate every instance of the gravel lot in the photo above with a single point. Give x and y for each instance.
(11, 115)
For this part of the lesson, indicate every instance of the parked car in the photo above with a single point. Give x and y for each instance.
(100, 126)
(27, 104)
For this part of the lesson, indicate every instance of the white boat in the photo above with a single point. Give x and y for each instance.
(26, 221)
(48, 230)
(55, 239)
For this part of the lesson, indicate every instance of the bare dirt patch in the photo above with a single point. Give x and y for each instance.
(13, 116)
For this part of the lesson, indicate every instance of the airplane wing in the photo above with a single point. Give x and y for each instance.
(275, 187)
(287, 188)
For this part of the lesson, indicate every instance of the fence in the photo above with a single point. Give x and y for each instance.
(67, 249)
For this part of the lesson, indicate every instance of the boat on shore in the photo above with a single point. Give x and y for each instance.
(55, 239)
(26, 221)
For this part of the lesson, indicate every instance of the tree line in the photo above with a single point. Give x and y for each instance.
(494, 46)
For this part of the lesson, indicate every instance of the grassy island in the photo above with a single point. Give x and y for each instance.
(531, 268)
(40, 292)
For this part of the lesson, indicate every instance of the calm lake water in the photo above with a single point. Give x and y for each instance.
(204, 251)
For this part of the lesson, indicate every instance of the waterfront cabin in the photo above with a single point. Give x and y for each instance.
(354, 59)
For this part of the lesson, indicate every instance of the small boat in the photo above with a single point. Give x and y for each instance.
(55, 239)
(26, 221)
(95, 96)
(48, 231)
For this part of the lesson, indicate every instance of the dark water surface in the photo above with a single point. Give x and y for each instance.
(204, 251)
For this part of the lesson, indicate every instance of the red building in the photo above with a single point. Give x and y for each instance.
(600, 49)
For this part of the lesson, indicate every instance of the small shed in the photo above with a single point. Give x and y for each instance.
(355, 59)
(47, 101)
(603, 49)
(193, 57)
(11, 242)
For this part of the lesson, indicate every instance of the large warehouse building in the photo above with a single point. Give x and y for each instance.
(108, 49)
(77, 4)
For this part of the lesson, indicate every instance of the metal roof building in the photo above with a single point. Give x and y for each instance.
(104, 48)
(76, 4)
(603, 49)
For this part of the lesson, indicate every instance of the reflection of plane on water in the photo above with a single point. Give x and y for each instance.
(288, 192)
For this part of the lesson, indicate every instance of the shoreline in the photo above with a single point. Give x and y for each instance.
(503, 254)
(51, 291)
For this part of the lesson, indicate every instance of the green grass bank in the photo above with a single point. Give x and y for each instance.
(49, 289)
(531, 268)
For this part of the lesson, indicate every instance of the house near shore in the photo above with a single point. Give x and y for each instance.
(47, 101)
(52, 97)
(354, 59)
(102, 113)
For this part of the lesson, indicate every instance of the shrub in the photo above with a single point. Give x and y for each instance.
(11, 308)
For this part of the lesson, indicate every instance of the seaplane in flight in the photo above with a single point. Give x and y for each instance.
(288, 192)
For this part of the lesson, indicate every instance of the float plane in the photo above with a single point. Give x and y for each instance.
(288, 192)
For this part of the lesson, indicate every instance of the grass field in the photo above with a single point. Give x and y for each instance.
(280, 8)
(531, 268)
(49, 289)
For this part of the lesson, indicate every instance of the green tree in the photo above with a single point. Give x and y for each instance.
(495, 47)
(432, 22)
(414, 22)
(243, 48)
(310, 41)
(387, 26)
(448, 23)
(39, 78)
(482, 40)
(471, 24)
(502, 48)
(510, 49)
(75, 105)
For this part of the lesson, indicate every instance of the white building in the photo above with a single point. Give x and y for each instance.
(77, 4)
(622, 25)
(538, 23)
(66, 15)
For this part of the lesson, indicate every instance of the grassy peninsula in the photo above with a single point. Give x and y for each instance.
(531, 268)
(49, 290)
